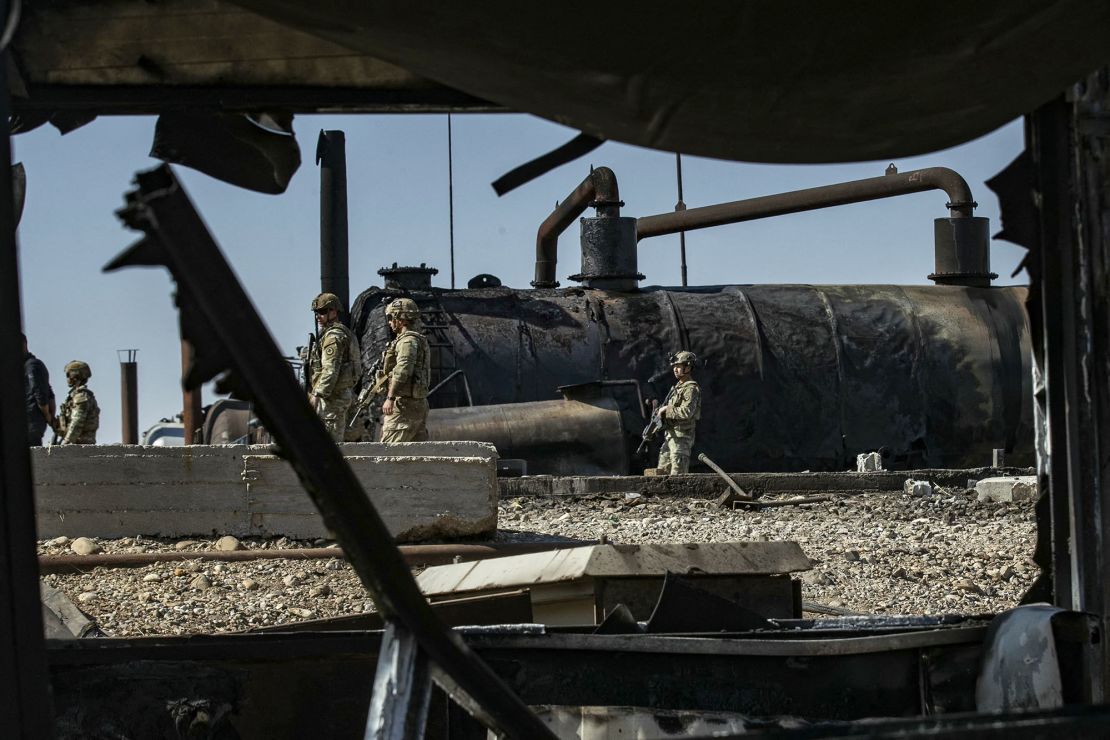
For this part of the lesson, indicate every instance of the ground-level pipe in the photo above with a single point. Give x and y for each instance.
(413, 555)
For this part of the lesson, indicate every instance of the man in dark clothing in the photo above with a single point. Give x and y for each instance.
(40, 398)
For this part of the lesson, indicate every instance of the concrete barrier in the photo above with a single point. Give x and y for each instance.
(422, 490)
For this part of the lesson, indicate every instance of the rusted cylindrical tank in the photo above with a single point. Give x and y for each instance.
(796, 377)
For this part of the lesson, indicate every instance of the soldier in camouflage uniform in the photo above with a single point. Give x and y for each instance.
(336, 365)
(80, 417)
(405, 410)
(680, 414)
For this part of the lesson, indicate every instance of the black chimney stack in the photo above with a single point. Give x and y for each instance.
(331, 155)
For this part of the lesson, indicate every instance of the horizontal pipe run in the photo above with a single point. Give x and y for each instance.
(414, 555)
(960, 202)
(600, 187)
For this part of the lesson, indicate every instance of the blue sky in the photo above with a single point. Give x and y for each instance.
(397, 180)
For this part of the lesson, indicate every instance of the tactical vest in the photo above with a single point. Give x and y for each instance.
(417, 387)
(350, 364)
(87, 433)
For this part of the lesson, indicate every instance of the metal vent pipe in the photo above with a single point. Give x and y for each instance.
(331, 155)
(962, 252)
(599, 189)
(129, 395)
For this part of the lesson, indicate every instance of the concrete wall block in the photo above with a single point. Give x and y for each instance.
(135, 496)
(1007, 489)
(110, 465)
(147, 523)
(417, 496)
(420, 449)
(422, 489)
(869, 462)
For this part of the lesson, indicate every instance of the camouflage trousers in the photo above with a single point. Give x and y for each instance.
(674, 455)
(406, 423)
(333, 412)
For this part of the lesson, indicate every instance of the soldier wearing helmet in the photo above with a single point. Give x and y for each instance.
(680, 413)
(405, 409)
(80, 417)
(336, 363)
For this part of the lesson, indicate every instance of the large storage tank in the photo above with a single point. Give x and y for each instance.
(796, 377)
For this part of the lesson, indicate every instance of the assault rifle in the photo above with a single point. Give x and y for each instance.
(379, 371)
(306, 362)
(651, 431)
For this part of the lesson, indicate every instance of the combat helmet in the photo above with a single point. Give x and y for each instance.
(324, 301)
(79, 368)
(403, 308)
(683, 358)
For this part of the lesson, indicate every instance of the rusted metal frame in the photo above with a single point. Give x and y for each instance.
(25, 705)
(214, 305)
(961, 203)
(1048, 139)
(600, 188)
(402, 688)
(1081, 198)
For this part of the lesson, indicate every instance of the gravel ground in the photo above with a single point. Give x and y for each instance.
(874, 553)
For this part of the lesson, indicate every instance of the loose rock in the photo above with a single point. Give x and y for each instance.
(84, 546)
(228, 543)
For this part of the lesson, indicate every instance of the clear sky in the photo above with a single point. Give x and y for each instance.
(397, 180)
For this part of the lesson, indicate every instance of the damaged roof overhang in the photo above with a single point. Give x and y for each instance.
(137, 57)
(772, 82)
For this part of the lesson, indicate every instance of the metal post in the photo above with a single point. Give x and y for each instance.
(680, 206)
(1069, 278)
(129, 395)
(331, 155)
(451, 197)
(402, 688)
(190, 398)
(25, 706)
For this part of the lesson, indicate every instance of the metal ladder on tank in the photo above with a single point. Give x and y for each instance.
(449, 386)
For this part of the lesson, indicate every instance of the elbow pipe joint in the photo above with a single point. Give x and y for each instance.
(599, 191)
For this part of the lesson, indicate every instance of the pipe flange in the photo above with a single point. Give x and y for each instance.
(960, 205)
(606, 203)
(544, 284)
(580, 278)
(946, 275)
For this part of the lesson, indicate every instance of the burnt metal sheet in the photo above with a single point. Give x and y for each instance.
(254, 151)
(614, 561)
(322, 682)
(757, 81)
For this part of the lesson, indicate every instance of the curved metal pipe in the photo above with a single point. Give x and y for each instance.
(598, 189)
(960, 203)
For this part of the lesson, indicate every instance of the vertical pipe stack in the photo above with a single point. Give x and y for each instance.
(331, 155)
(129, 395)
(190, 399)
